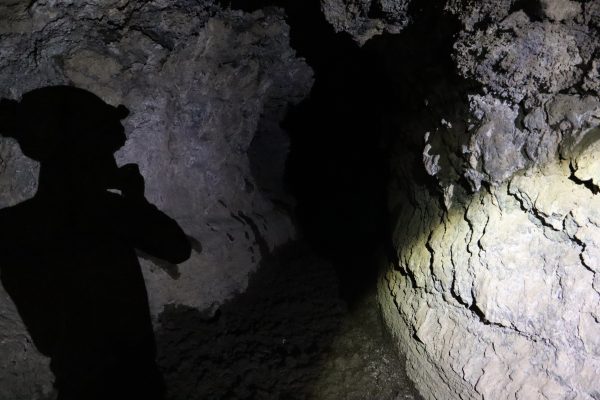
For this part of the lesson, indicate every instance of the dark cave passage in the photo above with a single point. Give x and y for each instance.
(362, 112)
(337, 167)
(279, 338)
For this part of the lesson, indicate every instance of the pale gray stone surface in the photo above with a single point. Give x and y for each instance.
(499, 296)
(198, 81)
(496, 292)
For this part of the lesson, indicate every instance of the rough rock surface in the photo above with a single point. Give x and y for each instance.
(363, 19)
(537, 91)
(289, 336)
(496, 292)
(499, 297)
(199, 82)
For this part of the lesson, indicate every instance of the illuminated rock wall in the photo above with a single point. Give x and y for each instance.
(496, 292)
(499, 296)
(201, 82)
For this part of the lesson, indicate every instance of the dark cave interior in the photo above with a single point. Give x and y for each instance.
(344, 137)
(354, 122)
(310, 200)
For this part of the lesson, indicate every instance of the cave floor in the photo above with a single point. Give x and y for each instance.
(360, 364)
(289, 336)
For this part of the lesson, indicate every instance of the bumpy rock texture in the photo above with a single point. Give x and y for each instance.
(363, 19)
(289, 336)
(494, 109)
(496, 292)
(199, 81)
(499, 297)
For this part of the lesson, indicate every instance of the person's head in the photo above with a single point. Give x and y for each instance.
(66, 129)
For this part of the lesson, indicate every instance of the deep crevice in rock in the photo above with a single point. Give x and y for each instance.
(588, 184)
(532, 8)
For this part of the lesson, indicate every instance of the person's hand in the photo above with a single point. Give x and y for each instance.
(131, 181)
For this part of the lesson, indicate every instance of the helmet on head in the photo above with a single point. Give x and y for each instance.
(57, 121)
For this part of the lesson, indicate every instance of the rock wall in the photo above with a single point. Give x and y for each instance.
(496, 290)
(199, 81)
(499, 297)
(494, 109)
(363, 19)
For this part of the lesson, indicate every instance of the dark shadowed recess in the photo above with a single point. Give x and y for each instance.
(361, 109)
(267, 343)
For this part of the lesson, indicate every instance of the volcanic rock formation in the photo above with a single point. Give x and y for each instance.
(496, 292)
(489, 112)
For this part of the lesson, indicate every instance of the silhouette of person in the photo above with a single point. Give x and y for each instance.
(67, 255)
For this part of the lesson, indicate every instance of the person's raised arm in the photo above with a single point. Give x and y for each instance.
(151, 230)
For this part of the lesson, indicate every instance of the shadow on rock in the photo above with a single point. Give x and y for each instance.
(266, 343)
(67, 255)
